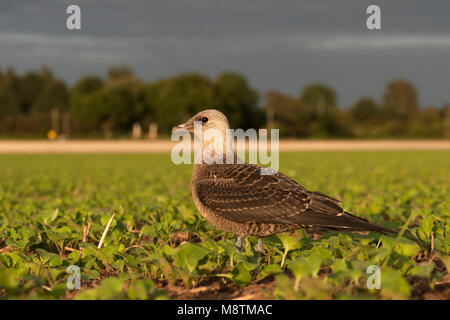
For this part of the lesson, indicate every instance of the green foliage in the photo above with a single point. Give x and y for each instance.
(177, 98)
(365, 110)
(400, 99)
(318, 98)
(288, 114)
(159, 241)
(314, 114)
(35, 102)
(305, 266)
(189, 256)
(27, 101)
(289, 243)
(237, 100)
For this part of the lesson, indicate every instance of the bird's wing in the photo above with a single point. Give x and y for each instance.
(238, 192)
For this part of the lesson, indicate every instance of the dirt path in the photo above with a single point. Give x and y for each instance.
(142, 146)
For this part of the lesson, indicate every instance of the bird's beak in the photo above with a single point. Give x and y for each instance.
(188, 126)
(178, 127)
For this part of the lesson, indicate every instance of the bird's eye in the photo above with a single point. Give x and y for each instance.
(204, 119)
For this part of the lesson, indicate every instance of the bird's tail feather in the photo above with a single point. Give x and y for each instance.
(342, 222)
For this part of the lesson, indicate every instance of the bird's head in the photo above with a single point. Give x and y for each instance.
(206, 119)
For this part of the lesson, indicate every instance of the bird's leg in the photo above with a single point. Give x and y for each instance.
(259, 247)
(239, 244)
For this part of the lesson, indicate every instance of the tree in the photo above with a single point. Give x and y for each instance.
(33, 92)
(87, 85)
(31, 104)
(29, 88)
(428, 122)
(319, 99)
(81, 96)
(290, 115)
(121, 76)
(400, 99)
(54, 93)
(9, 95)
(365, 110)
(105, 108)
(114, 108)
(113, 105)
(446, 121)
(234, 97)
(320, 102)
(176, 99)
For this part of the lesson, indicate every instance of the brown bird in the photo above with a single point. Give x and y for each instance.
(237, 198)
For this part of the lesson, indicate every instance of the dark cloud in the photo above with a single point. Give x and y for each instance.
(276, 44)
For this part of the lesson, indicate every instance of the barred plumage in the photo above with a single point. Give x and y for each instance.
(238, 199)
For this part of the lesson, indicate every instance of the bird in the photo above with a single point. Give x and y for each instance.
(237, 198)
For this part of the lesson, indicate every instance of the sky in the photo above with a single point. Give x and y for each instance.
(276, 44)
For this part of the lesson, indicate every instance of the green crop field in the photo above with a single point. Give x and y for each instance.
(159, 247)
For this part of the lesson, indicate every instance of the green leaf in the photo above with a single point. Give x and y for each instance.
(26, 234)
(304, 266)
(49, 216)
(46, 256)
(407, 248)
(240, 275)
(105, 219)
(55, 262)
(394, 285)
(324, 253)
(426, 225)
(245, 262)
(423, 269)
(268, 270)
(110, 288)
(289, 243)
(149, 230)
(189, 256)
(339, 265)
(446, 261)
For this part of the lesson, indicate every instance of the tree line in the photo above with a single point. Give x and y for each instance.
(34, 102)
